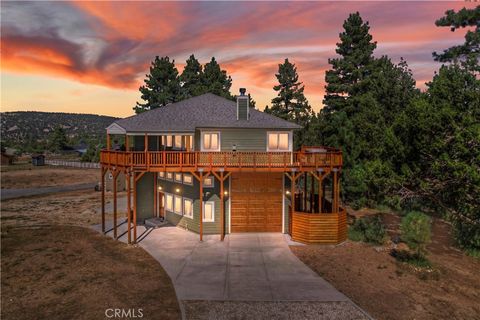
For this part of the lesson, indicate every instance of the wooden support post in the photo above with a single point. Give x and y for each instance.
(127, 146)
(305, 186)
(155, 194)
(129, 208)
(115, 175)
(335, 192)
(187, 143)
(320, 195)
(312, 193)
(103, 197)
(108, 142)
(201, 206)
(134, 208)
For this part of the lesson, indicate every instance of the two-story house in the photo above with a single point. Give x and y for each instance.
(215, 166)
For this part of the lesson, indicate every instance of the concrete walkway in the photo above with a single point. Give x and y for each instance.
(245, 267)
(6, 194)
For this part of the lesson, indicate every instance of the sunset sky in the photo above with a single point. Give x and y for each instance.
(91, 57)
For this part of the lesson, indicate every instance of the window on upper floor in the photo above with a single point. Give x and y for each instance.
(210, 141)
(278, 141)
(178, 142)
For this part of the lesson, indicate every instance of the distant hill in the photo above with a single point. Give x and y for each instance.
(26, 127)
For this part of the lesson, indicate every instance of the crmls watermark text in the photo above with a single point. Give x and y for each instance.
(117, 313)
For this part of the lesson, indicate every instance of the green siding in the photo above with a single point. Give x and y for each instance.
(192, 192)
(145, 196)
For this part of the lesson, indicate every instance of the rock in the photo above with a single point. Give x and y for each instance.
(402, 247)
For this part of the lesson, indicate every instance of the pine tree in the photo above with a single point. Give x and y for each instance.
(162, 85)
(290, 102)
(191, 78)
(215, 80)
(469, 52)
(348, 72)
(251, 102)
(58, 140)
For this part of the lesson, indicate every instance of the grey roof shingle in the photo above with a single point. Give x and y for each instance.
(205, 111)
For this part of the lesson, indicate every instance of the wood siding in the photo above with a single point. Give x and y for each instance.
(324, 228)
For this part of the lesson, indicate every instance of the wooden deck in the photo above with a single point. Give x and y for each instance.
(320, 228)
(179, 161)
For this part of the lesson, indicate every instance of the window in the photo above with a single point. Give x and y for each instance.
(210, 141)
(188, 208)
(169, 176)
(169, 141)
(178, 177)
(208, 182)
(178, 142)
(178, 205)
(161, 174)
(278, 141)
(209, 211)
(187, 179)
(168, 202)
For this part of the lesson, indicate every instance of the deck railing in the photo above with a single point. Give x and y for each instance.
(240, 159)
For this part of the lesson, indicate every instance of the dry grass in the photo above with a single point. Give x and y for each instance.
(55, 267)
(390, 290)
(66, 272)
(28, 176)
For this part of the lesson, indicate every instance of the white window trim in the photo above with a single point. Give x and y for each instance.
(290, 141)
(191, 177)
(175, 137)
(213, 209)
(179, 212)
(212, 177)
(166, 202)
(167, 178)
(185, 214)
(175, 177)
(161, 175)
(219, 141)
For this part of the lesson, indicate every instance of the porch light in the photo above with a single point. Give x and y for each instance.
(225, 193)
(160, 188)
(287, 192)
(177, 190)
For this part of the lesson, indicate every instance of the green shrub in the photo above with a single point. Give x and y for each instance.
(415, 228)
(413, 259)
(368, 229)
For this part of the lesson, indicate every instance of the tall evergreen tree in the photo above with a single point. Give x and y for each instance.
(215, 80)
(469, 52)
(162, 85)
(348, 72)
(191, 78)
(290, 102)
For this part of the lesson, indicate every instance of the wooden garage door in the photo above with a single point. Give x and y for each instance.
(256, 202)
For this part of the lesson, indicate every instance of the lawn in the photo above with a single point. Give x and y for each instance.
(390, 290)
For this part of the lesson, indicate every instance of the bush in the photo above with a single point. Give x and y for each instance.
(415, 228)
(368, 229)
(413, 259)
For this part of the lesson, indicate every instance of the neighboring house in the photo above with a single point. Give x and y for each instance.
(215, 166)
(7, 159)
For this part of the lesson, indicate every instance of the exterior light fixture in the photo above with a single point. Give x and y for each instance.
(177, 190)
(160, 188)
(225, 193)
(287, 192)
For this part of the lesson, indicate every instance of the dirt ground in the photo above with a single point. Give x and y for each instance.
(28, 176)
(67, 272)
(55, 267)
(390, 290)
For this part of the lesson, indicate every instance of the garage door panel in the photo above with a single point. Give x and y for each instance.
(256, 202)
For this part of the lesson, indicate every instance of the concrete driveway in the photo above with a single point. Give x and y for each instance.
(245, 267)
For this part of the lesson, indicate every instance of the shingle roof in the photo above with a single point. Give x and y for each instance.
(205, 111)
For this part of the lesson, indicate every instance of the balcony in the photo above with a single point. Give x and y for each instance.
(308, 159)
